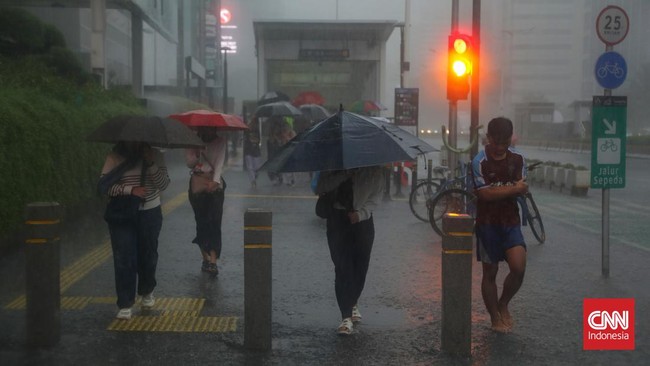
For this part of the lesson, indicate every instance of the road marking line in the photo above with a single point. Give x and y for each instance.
(612, 237)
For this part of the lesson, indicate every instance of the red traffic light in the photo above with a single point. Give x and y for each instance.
(459, 67)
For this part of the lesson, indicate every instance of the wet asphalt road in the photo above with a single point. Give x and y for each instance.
(400, 304)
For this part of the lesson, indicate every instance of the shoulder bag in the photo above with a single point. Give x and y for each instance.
(199, 181)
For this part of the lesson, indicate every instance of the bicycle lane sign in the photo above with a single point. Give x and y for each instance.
(610, 70)
(608, 140)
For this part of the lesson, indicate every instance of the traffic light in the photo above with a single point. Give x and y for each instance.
(459, 68)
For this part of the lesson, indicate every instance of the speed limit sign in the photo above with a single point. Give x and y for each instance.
(612, 25)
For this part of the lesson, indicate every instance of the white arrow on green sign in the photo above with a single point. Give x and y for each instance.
(608, 140)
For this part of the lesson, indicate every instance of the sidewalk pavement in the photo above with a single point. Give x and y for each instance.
(401, 302)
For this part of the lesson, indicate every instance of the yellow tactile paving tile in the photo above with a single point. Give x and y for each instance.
(175, 324)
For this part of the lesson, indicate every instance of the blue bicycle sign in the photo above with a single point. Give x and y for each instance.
(610, 70)
(614, 69)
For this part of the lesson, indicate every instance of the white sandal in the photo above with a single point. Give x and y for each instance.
(356, 315)
(346, 327)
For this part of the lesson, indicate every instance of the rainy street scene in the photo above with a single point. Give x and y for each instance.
(324, 182)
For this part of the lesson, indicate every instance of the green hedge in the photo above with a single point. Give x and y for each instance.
(44, 120)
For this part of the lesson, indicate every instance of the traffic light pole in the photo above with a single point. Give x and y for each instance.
(452, 157)
(476, 46)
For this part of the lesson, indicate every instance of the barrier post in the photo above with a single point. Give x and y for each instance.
(414, 175)
(398, 181)
(457, 283)
(388, 174)
(42, 273)
(258, 232)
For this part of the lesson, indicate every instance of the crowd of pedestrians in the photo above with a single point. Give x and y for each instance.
(134, 174)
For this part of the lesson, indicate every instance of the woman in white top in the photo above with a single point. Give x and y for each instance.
(206, 194)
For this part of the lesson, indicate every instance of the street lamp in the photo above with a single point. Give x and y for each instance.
(225, 79)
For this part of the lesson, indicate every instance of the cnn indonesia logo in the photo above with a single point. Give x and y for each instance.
(608, 324)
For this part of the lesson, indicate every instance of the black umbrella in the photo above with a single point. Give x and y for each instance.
(314, 112)
(344, 141)
(277, 109)
(156, 131)
(273, 96)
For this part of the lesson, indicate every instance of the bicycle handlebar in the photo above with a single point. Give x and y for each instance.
(533, 165)
(459, 151)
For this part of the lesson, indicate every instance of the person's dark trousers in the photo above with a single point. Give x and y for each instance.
(208, 213)
(350, 247)
(135, 255)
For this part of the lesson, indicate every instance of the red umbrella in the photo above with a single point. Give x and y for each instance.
(365, 106)
(308, 97)
(202, 117)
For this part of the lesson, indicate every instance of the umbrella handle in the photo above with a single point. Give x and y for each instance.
(459, 151)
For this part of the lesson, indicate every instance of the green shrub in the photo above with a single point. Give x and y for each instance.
(21, 32)
(66, 64)
(44, 121)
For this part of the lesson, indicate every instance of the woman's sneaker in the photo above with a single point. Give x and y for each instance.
(346, 327)
(124, 314)
(356, 315)
(148, 300)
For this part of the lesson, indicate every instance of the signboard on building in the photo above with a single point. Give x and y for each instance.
(228, 30)
(407, 106)
(608, 139)
(323, 54)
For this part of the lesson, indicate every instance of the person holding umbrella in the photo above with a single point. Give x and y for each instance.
(351, 233)
(134, 172)
(252, 150)
(206, 194)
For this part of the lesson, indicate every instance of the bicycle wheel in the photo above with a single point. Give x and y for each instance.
(451, 201)
(535, 219)
(419, 197)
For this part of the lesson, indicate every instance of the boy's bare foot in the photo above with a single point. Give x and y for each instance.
(506, 318)
(499, 326)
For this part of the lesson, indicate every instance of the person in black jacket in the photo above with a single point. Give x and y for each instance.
(351, 233)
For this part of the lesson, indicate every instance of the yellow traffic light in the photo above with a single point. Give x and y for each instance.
(460, 66)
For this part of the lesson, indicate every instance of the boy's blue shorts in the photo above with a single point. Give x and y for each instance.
(492, 242)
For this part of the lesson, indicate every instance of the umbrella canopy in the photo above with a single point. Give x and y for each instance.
(366, 106)
(156, 131)
(202, 117)
(308, 97)
(314, 112)
(277, 109)
(272, 97)
(344, 141)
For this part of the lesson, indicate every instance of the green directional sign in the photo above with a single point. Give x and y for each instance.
(608, 131)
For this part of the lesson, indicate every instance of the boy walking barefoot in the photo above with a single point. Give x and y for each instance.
(499, 176)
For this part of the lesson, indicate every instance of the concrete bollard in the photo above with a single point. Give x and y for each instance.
(388, 172)
(457, 284)
(42, 268)
(258, 232)
(414, 175)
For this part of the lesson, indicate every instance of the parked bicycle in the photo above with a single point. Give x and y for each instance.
(461, 200)
(454, 196)
(425, 189)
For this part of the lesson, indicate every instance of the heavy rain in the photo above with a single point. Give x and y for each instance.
(307, 182)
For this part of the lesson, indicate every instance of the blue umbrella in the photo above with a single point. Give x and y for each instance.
(346, 140)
